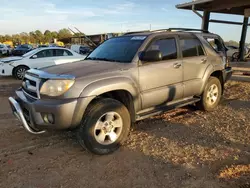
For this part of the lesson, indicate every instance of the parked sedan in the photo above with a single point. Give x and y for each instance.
(37, 59)
(4, 49)
(22, 49)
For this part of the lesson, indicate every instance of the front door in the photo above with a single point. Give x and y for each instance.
(43, 58)
(161, 82)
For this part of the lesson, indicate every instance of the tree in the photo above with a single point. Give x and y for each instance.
(7, 38)
(232, 43)
(39, 36)
(48, 36)
(1, 38)
(32, 36)
(24, 37)
(16, 39)
(64, 33)
(54, 35)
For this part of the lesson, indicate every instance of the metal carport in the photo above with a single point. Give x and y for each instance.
(236, 7)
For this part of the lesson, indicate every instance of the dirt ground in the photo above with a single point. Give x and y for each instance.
(182, 148)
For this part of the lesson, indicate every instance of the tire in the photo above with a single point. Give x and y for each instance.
(235, 56)
(95, 132)
(208, 101)
(19, 72)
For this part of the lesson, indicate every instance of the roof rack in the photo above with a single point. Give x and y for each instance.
(134, 32)
(187, 29)
(168, 30)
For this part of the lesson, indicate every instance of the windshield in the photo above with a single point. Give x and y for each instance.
(31, 52)
(1, 46)
(120, 49)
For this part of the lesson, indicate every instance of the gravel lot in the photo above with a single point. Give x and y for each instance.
(182, 148)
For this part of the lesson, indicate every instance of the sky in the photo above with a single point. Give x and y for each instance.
(105, 16)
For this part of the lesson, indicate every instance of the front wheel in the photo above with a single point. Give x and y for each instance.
(104, 127)
(19, 72)
(211, 95)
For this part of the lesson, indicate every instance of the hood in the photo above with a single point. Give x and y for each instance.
(9, 59)
(86, 68)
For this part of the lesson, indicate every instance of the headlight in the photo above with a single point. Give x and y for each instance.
(56, 87)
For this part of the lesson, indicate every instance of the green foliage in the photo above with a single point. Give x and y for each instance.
(231, 43)
(64, 33)
(36, 36)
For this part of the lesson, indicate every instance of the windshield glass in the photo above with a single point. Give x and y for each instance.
(31, 52)
(1, 46)
(120, 49)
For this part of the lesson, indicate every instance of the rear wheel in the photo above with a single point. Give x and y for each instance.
(211, 95)
(19, 72)
(104, 127)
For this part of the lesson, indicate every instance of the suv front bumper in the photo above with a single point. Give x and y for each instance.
(64, 113)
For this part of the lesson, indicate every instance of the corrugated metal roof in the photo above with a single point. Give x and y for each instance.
(196, 2)
(237, 7)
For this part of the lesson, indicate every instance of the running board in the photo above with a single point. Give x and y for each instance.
(161, 109)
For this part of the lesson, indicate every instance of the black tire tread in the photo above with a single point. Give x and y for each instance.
(202, 103)
(92, 109)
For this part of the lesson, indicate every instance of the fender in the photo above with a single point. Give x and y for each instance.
(94, 89)
(111, 84)
(210, 69)
(208, 72)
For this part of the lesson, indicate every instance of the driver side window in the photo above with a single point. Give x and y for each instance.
(167, 47)
(44, 53)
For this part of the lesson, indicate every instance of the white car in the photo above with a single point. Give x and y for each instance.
(4, 49)
(37, 59)
(233, 52)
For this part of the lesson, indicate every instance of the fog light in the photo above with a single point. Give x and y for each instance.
(48, 118)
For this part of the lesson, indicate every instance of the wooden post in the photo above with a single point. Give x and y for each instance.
(243, 38)
(205, 21)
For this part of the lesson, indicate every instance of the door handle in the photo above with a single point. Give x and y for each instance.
(177, 65)
(204, 60)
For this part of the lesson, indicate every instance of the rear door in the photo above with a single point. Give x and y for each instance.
(194, 64)
(65, 56)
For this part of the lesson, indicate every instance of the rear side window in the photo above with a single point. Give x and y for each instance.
(166, 46)
(216, 44)
(191, 48)
(61, 52)
(45, 53)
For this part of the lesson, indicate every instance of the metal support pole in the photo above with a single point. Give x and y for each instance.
(205, 21)
(243, 38)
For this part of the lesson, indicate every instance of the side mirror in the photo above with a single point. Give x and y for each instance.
(34, 56)
(150, 56)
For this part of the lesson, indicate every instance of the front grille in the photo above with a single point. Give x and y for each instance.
(30, 86)
(33, 83)
(30, 93)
